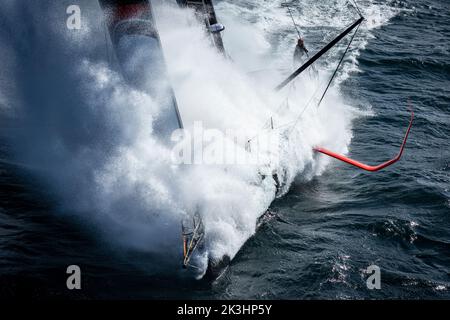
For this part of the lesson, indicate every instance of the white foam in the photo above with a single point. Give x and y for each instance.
(124, 181)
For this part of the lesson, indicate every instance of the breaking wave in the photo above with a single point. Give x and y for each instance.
(88, 136)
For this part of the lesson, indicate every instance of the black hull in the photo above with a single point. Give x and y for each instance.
(216, 268)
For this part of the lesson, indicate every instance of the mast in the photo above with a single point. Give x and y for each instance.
(205, 11)
(138, 49)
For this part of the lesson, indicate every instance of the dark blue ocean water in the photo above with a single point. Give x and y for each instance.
(327, 231)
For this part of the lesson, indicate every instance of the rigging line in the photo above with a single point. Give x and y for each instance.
(292, 123)
(318, 55)
(296, 27)
(288, 124)
(337, 67)
(315, 57)
(265, 126)
(312, 97)
(267, 122)
(303, 111)
(309, 62)
(292, 18)
(355, 5)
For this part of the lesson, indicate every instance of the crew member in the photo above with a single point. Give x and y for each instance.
(300, 49)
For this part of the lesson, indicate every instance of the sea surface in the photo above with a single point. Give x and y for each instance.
(327, 231)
